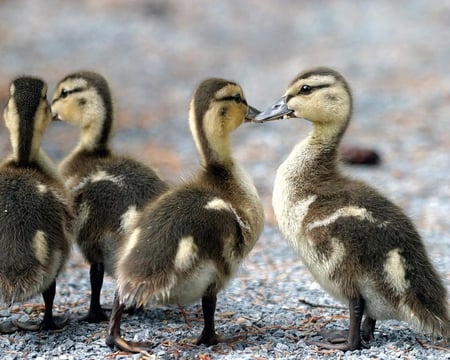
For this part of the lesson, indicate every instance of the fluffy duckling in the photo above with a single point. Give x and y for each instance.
(360, 247)
(35, 213)
(109, 190)
(189, 243)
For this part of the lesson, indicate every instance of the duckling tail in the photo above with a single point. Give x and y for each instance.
(431, 315)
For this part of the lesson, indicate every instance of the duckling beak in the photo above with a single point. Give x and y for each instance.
(251, 114)
(276, 111)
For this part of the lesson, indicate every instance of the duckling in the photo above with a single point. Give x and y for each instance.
(188, 244)
(358, 245)
(109, 190)
(35, 211)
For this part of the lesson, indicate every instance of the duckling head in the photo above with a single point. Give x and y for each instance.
(84, 99)
(27, 115)
(320, 95)
(218, 107)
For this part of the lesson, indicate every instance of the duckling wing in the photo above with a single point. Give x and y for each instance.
(365, 244)
(33, 237)
(184, 231)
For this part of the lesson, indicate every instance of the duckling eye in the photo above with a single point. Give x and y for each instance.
(305, 90)
(64, 93)
(237, 98)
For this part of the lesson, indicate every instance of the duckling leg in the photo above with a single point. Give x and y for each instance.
(114, 337)
(48, 323)
(353, 340)
(96, 313)
(208, 335)
(368, 329)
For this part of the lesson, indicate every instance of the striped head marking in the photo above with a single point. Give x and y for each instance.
(27, 115)
(217, 108)
(81, 98)
(320, 95)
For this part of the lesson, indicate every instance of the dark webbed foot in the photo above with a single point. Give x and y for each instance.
(8, 327)
(114, 338)
(335, 336)
(125, 345)
(346, 346)
(54, 323)
(209, 339)
(96, 316)
(49, 322)
(353, 341)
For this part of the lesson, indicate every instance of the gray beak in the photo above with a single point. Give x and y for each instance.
(251, 114)
(274, 112)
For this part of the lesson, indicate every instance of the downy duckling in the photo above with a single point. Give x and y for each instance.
(109, 190)
(359, 246)
(35, 213)
(189, 243)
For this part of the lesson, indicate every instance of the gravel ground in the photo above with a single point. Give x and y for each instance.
(396, 56)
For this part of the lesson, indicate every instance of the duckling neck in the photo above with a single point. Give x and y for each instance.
(217, 153)
(314, 159)
(25, 148)
(47, 165)
(95, 136)
(37, 158)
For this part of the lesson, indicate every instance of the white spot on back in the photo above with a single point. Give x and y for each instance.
(40, 247)
(104, 176)
(81, 219)
(347, 211)
(217, 204)
(186, 254)
(100, 175)
(394, 269)
(42, 188)
(131, 242)
(129, 219)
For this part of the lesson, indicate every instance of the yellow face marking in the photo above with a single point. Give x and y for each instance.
(325, 105)
(186, 254)
(394, 269)
(67, 107)
(40, 247)
(83, 108)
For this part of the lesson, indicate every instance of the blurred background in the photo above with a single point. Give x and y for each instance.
(395, 55)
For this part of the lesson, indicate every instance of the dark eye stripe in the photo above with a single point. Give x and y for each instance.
(64, 93)
(308, 89)
(236, 98)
